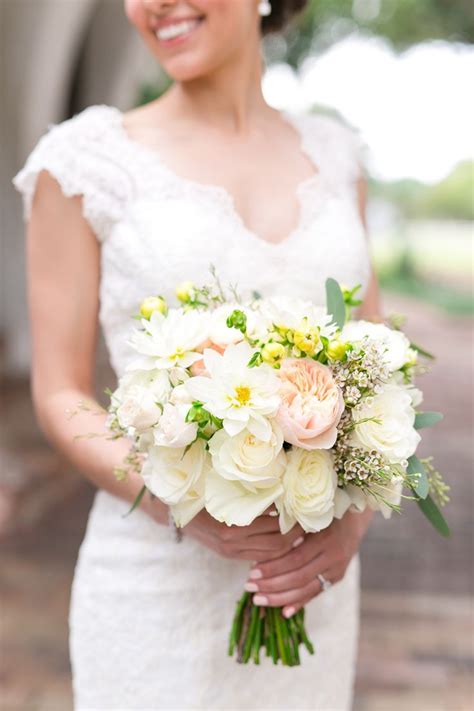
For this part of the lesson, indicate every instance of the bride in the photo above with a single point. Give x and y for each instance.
(121, 205)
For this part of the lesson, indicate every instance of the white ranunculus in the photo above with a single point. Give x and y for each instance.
(139, 397)
(243, 397)
(395, 344)
(392, 433)
(178, 478)
(138, 410)
(310, 491)
(156, 381)
(390, 493)
(235, 504)
(254, 462)
(172, 429)
(181, 395)
(171, 341)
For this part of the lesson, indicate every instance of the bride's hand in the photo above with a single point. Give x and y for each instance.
(290, 581)
(260, 540)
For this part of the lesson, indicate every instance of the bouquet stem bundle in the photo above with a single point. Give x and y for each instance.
(256, 627)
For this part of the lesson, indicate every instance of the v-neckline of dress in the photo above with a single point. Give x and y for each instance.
(301, 190)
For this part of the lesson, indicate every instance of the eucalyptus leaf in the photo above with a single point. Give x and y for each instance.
(335, 302)
(420, 484)
(427, 419)
(422, 351)
(434, 516)
(136, 502)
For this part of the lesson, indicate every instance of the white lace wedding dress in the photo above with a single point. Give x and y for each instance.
(149, 619)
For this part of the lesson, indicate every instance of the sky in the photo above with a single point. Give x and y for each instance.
(414, 110)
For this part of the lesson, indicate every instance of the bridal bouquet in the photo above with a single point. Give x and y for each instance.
(236, 406)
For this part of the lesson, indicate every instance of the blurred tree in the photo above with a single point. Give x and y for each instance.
(451, 198)
(402, 22)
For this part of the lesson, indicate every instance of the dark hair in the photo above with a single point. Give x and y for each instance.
(282, 12)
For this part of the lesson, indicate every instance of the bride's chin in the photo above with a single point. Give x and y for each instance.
(183, 68)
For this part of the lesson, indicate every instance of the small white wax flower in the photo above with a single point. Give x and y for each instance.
(394, 344)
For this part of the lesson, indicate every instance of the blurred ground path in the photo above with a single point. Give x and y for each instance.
(416, 646)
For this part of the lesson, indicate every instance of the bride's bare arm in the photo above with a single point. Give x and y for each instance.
(63, 258)
(63, 263)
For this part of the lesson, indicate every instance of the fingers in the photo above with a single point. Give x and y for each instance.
(294, 599)
(268, 547)
(333, 575)
(262, 524)
(293, 560)
(289, 597)
(274, 541)
(294, 580)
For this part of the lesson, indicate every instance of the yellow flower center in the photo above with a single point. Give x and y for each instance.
(242, 394)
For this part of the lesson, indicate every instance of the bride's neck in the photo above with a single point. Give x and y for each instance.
(229, 98)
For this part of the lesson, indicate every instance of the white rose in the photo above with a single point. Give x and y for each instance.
(415, 394)
(311, 496)
(178, 478)
(392, 433)
(391, 493)
(254, 462)
(172, 429)
(395, 344)
(235, 504)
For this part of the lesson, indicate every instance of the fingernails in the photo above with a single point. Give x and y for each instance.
(288, 611)
(298, 542)
(260, 600)
(251, 587)
(255, 574)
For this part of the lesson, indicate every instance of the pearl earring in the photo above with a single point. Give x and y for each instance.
(264, 8)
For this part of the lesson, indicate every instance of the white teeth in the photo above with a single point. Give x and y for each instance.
(175, 30)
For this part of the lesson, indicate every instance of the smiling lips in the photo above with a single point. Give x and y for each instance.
(177, 29)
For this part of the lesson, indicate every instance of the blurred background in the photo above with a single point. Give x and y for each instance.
(401, 72)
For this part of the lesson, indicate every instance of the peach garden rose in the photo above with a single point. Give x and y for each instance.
(311, 404)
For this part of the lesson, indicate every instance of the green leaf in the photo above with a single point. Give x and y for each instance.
(427, 419)
(422, 351)
(434, 516)
(136, 502)
(420, 484)
(255, 360)
(335, 302)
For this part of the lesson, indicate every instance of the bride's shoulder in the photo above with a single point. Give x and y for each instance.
(91, 124)
(81, 154)
(337, 143)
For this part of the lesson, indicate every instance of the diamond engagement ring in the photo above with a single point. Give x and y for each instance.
(325, 584)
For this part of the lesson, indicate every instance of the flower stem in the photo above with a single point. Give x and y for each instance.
(255, 627)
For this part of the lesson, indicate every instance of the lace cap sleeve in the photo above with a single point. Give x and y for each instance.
(80, 155)
(339, 149)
